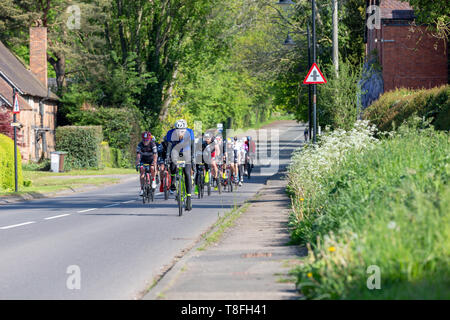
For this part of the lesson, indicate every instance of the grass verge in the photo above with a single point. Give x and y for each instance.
(377, 222)
(48, 182)
(222, 224)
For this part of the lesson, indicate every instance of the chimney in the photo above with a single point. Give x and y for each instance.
(38, 53)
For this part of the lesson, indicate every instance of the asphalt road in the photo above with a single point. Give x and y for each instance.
(106, 244)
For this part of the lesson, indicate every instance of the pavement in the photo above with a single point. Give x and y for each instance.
(106, 244)
(250, 262)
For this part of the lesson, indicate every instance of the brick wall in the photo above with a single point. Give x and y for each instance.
(38, 53)
(415, 60)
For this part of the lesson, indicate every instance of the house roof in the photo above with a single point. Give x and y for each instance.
(20, 76)
(396, 10)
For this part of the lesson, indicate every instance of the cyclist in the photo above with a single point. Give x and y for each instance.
(235, 161)
(146, 159)
(243, 151)
(213, 151)
(181, 139)
(162, 152)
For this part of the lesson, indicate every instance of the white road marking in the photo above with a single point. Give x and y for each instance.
(87, 210)
(55, 217)
(111, 205)
(17, 225)
(129, 201)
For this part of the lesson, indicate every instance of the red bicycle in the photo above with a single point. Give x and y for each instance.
(165, 179)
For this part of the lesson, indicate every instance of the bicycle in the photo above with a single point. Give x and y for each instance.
(181, 187)
(227, 182)
(149, 192)
(200, 180)
(248, 165)
(165, 180)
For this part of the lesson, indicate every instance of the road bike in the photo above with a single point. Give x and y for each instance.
(149, 192)
(165, 180)
(181, 187)
(200, 179)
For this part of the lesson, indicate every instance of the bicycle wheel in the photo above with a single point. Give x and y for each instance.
(219, 183)
(208, 186)
(166, 185)
(179, 196)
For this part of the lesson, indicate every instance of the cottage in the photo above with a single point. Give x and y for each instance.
(409, 56)
(38, 105)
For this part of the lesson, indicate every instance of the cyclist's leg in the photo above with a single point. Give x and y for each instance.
(173, 172)
(188, 180)
(214, 169)
(142, 175)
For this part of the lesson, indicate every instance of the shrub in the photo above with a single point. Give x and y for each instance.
(82, 143)
(121, 127)
(337, 100)
(394, 107)
(7, 174)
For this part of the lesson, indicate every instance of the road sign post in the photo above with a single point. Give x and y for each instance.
(16, 110)
(314, 77)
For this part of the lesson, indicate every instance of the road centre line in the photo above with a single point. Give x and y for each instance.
(55, 217)
(87, 210)
(17, 225)
(111, 205)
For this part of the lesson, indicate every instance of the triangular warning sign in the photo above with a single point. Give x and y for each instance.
(314, 76)
(16, 108)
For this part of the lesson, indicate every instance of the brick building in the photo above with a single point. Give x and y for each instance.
(38, 105)
(409, 55)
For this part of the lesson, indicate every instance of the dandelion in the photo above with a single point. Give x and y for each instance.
(309, 275)
(301, 199)
(332, 249)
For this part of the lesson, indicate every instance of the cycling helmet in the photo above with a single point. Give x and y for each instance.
(180, 124)
(249, 138)
(146, 136)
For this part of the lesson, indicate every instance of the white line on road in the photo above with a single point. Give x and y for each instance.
(17, 225)
(87, 210)
(111, 205)
(55, 217)
(129, 201)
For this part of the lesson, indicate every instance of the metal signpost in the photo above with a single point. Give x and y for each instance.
(16, 110)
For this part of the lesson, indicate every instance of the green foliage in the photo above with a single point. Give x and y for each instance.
(394, 107)
(386, 206)
(82, 144)
(337, 99)
(7, 174)
(121, 127)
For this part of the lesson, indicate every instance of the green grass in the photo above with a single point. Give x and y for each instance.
(388, 207)
(222, 224)
(48, 182)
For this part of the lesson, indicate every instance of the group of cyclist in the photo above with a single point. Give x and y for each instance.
(216, 156)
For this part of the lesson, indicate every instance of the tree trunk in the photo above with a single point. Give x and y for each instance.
(168, 97)
(59, 65)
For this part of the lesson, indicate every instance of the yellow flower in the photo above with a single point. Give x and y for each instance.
(301, 199)
(332, 249)
(309, 275)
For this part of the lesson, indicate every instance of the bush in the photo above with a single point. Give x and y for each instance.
(121, 127)
(394, 107)
(7, 174)
(337, 100)
(82, 143)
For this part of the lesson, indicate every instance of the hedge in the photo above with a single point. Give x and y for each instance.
(7, 176)
(394, 107)
(121, 128)
(82, 143)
